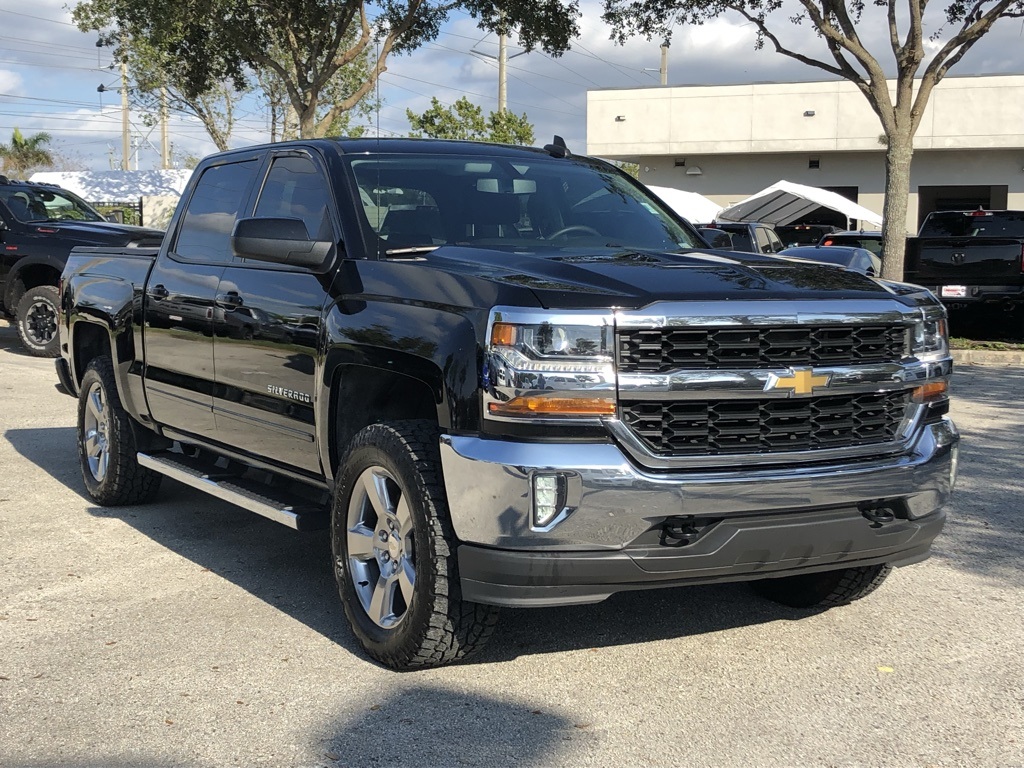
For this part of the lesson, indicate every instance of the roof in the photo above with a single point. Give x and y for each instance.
(689, 205)
(785, 201)
(117, 186)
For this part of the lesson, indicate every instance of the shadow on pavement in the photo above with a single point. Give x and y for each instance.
(985, 532)
(291, 571)
(425, 725)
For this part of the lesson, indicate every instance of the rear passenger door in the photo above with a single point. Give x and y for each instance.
(268, 325)
(180, 298)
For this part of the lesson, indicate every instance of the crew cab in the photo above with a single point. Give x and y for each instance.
(971, 258)
(507, 377)
(39, 225)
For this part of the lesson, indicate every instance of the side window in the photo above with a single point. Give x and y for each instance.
(295, 189)
(205, 230)
(764, 245)
(774, 244)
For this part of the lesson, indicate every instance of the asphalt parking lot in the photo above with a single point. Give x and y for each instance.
(189, 632)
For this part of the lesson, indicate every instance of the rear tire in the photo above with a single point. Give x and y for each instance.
(106, 444)
(825, 589)
(394, 548)
(36, 319)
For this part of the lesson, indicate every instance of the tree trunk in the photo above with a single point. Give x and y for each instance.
(894, 213)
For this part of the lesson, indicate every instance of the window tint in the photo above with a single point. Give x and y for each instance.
(974, 224)
(295, 189)
(519, 203)
(205, 231)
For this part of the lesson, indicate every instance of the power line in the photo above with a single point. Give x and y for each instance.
(480, 95)
(40, 18)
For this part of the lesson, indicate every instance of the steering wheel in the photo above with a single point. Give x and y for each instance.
(574, 228)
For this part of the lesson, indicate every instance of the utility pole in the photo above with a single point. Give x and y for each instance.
(502, 59)
(664, 63)
(502, 69)
(125, 129)
(165, 147)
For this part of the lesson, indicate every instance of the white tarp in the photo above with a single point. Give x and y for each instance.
(695, 208)
(117, 186)
(784, 202)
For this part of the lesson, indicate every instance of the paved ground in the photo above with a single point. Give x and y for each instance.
(191, 633)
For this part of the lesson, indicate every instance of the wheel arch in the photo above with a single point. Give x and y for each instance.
(361, 395)
(30, 272)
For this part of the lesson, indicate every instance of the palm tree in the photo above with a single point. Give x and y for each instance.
(25, 153)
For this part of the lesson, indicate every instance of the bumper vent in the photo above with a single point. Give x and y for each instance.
(660, 350)
(701, 428)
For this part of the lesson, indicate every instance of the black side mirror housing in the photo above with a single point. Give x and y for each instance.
(280, 241)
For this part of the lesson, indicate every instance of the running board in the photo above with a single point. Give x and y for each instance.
(236, 490)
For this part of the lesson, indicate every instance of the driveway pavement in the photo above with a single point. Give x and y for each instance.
(188, 632)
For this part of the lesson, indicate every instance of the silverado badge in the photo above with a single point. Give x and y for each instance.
(801, 381)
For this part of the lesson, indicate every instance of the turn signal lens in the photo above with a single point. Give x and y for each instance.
(503, 335)
(554, 406)
(933, 390)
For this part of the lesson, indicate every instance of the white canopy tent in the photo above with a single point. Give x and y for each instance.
(785, 202)
(695, 208)
(117, 186)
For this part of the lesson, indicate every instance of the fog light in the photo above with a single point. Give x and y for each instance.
(548, 498)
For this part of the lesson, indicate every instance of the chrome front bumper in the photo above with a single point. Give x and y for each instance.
(612, 501)
(760, 523)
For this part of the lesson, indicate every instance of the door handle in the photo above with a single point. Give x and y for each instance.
(229, 299)
(159, 292)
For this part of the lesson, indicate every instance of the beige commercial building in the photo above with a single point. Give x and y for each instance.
(727, 142)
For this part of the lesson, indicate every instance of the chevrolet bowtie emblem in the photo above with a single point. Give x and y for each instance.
(801, 381)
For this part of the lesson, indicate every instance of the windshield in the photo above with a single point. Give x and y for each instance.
(416, 202)
(39, 203)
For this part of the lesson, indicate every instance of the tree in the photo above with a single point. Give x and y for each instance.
(838, 25)
(25, 153)
(464, 120)
(218, 39)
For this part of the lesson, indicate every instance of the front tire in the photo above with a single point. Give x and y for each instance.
(106, 444)
(395, 551)
(825, 589)
(36, 319)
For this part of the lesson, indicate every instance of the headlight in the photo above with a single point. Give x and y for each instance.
(930, 339)
(549, 367)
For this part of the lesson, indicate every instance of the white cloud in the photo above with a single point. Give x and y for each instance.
(10, 82)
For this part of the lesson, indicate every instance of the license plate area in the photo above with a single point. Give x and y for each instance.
(954, 292)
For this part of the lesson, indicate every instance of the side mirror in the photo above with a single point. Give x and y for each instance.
(279, 241)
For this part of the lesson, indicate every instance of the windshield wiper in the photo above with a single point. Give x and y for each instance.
(412, 250)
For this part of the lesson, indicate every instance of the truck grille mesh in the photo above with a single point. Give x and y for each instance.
(702, 428)
(659, 350)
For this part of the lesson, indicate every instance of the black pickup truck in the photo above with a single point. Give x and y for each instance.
(971, 258)
(507, 377)
(39, 225)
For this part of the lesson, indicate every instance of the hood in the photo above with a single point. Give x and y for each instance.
(629, 278)
(103, 232)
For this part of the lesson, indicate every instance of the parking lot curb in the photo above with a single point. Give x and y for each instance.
(988, 357)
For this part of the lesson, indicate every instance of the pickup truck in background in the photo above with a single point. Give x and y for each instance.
(971, 258)
(39, 225)
(746, 236)
(507, 377)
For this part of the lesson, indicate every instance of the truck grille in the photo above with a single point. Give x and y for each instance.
(703, 428)
(659, 350)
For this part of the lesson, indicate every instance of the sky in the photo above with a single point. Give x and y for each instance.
(49, 74)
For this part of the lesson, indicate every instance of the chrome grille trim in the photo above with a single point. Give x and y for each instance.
(747, 383)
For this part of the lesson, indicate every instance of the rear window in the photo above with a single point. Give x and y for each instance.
(867, 242)
(974, 224)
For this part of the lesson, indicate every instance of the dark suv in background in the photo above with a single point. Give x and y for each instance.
(39, 225)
